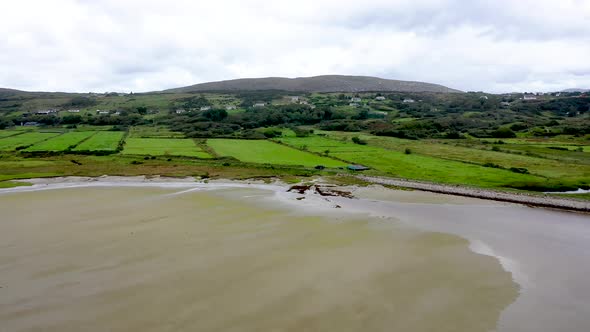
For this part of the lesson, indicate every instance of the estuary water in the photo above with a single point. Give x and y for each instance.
(179, 257)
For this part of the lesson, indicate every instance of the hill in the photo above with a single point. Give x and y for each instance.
(326, 83)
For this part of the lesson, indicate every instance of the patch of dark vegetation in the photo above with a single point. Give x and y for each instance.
(322, 190)
(519, 170)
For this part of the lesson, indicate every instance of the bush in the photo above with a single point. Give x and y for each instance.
(272, 133)
(503, 133)
(359, 141)
(408, 151)
(492, 165)
(454, 135)
(519, 170)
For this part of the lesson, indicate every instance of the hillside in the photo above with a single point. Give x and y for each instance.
(575, 90)
(327, 83)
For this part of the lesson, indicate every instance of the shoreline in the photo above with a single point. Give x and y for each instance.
(548, 202)
(487, 194)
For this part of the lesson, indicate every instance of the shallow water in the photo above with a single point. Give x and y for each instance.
(172, 259)
(547, 251)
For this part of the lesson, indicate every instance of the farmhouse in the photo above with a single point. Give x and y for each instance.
(355, 100)
(295, 99)
(529, 97)
(409, 101)
(205, 108)
(353, 104)
(102, 112)
(380, 98)
(259, 105)
(46, 112)
(180, 111)
(230, 107)
(73, 111)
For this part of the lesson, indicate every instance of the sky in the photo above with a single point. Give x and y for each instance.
(144, 45)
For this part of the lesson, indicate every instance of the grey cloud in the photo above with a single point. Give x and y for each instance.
(106, 45)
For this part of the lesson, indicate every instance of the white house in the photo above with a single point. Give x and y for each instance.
(46, 112)
(180, 111)
(529, 97)
(230, 107)
(73, 111)
(102, 112)
(295, 99)
(259, 105)
(380, 98)
(409, 101)
(355, 100)
(205, 108)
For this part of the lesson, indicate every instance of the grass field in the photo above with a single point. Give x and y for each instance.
(153, 132)
(163, 147)
(569, 168)
(415, 166)
(102, 141)
(61, 142)
(24, 140)
(267, 152)
(6, 133)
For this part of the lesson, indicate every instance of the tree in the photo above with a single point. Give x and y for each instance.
(215, 114)
(142, 110)
(5, 123)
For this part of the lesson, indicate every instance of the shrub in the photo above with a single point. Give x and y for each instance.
(408, 151)
(519, 170)
(503, 133)
(492, 165)
(359, 141)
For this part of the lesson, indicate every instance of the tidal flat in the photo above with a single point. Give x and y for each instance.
(175, 256)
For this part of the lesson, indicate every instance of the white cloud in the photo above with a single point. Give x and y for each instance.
(132, 45)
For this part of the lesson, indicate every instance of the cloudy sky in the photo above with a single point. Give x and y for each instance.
(145, 45)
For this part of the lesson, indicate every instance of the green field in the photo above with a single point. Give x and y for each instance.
(153, 132)
(61, 142)
(102, 141)
(414, 166)
(163, 147)
(6, 133)
(12, 143)
(267, 152)
(576, 168)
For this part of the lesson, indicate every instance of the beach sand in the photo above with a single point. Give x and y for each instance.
(180, 256)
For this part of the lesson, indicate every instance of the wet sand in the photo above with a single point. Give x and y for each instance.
(234, 258)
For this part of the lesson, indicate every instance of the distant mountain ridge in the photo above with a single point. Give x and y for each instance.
(326, 83)
(576, 90)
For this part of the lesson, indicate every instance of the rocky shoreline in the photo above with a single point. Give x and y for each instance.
(518, 198)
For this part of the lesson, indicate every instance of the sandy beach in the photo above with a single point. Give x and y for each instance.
(282, 260)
